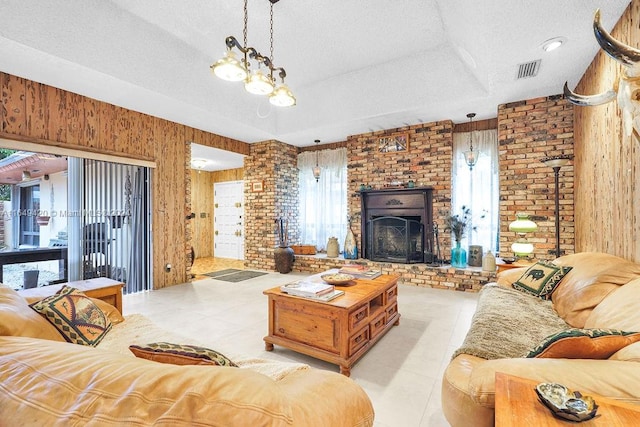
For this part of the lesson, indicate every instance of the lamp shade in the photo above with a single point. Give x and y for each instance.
(282, 97)
(523, 224)
(471, 157)
(522, 248)
(259, 84)
(229, 68)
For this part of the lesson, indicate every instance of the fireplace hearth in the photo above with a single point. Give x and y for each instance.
(397, 225)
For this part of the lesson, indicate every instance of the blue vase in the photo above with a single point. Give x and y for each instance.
(350, 247)
(458, 256)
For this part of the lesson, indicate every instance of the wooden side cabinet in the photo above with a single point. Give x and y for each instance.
(339, 331)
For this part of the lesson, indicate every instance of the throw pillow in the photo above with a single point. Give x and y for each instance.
(178, 354)
(584, 344)
(79, 320)
(541, 279)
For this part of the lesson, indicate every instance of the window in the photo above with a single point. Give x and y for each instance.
(323, 204)
(478, 188)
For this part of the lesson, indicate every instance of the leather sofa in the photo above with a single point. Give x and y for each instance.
(45, 381)
(601, 291)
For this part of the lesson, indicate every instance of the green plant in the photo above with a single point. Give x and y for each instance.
(5, 189)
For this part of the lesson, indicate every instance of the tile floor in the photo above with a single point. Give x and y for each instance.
(401, 373)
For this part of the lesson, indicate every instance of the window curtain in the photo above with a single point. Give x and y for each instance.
(323, 204)
(477, 189)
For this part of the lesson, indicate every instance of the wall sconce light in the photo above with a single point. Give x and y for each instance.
(522, 248)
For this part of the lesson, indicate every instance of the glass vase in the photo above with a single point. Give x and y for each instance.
(350, 247)
(458, 256)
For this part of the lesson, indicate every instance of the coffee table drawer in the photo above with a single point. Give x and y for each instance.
(392, 310)
(391, 294)
(357, 341)
(358, 317)
(377, 324)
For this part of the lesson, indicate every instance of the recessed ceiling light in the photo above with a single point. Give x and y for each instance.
(199, 163)
(553, 43)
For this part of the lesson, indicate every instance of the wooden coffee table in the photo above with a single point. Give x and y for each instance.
(517, 404)
(339, 331)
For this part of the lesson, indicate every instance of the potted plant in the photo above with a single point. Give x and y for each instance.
(458, 225)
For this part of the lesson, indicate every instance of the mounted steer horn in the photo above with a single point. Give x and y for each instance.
(628, 90)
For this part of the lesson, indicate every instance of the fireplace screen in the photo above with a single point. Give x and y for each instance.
(395, 239)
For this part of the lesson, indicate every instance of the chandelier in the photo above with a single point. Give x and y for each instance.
(258, 82)
(471, 157)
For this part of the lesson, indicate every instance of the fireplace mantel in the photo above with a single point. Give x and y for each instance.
(399, 202)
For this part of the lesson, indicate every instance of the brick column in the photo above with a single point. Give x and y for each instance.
(272, 164)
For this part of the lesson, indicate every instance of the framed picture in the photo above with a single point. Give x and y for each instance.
(394, 143)
(257, 187)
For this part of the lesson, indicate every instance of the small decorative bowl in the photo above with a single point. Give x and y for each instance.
(566, 404)
(509, 260)
(337, 279)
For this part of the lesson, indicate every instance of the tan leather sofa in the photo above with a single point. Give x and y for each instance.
(45, 381)
(601, 291)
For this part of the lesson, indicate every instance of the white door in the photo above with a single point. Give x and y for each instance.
(228, 220)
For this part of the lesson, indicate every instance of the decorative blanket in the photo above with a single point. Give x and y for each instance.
(509, 323)
(138, 329)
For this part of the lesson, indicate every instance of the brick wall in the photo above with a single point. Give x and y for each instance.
(470, 279)
(427, 163)
(527, 132)
(274, 164)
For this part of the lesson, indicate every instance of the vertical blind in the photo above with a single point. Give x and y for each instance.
(116, 224)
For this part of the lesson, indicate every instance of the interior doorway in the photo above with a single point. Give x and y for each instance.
(228, 220)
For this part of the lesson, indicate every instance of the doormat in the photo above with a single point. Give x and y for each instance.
(240, 276)
(222, 272)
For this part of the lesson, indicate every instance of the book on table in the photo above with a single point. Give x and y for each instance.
(360, 271)
(307, 289)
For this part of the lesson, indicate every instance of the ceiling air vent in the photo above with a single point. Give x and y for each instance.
(528, 69)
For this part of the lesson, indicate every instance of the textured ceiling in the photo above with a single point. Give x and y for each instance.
(355, 65)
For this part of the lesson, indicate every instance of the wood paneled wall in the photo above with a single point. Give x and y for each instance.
(202, 201)
(37, 113)
(607, 211)
(202, 208)
(227, 175)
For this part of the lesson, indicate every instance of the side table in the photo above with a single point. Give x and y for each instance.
(108, 290)
(502, 266)
(517, 405)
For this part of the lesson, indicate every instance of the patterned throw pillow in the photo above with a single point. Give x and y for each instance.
(541, 279)
(79, 320)
(179, 354)
(584, 344)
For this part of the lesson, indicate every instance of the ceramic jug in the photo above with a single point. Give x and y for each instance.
(489, 262)
(333, 247)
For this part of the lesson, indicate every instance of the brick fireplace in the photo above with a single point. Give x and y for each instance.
(397, 225)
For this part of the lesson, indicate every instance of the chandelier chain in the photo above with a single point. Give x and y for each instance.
(470, 133)
(246, 21)
(271, 29)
